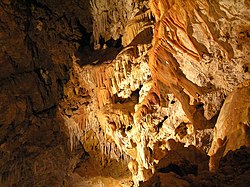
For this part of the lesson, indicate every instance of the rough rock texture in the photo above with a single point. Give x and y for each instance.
(233, 171)
(93, 90)
(37, 41)
(197, 58)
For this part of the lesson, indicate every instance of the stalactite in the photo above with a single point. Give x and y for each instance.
(141, 97)
(74, 131)
(136, 25)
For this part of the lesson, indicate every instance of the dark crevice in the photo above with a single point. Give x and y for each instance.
(172, 102)
(172, 167)
(85, 41)
(151, 151)
(213, 121)
(199, 105)
(31, 45)
(161, 123)
(129, 128)
(134, 98)
(48, 11)
(245, 68)
(111, 42)
(87, 55)
(182, 170)
(135, 95)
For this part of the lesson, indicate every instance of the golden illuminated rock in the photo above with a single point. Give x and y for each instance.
(122, 93)
(232, 127)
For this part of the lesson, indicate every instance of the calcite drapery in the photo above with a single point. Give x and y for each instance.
(232, 128)
(194, 63)
(114, 104)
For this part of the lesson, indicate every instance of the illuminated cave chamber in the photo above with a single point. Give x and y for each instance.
(133, 93)
(156, 98)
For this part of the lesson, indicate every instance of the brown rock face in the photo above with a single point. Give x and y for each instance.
(37, 40)
(94, 91)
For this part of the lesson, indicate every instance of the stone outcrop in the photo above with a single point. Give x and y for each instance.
(233, 171)
(232, 127)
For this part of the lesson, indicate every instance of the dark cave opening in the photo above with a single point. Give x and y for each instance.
(86, 53)
(111, 43)
(161, 122)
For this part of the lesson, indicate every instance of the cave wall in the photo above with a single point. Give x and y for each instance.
(106, 85)
(37, 41)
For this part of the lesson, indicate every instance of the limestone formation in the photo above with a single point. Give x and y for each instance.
(124, 93)
(232, 127)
